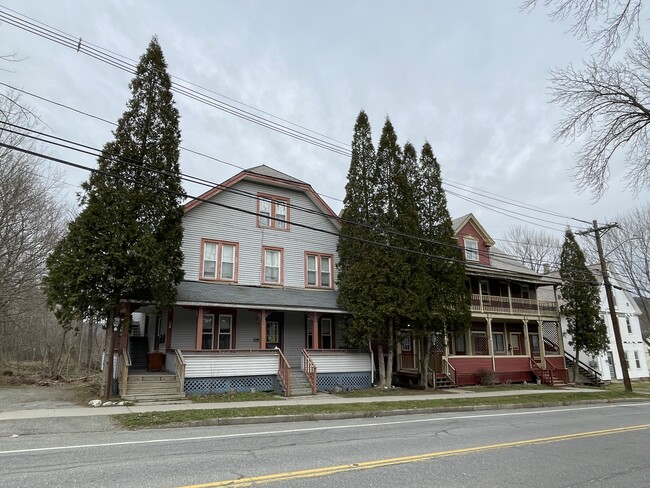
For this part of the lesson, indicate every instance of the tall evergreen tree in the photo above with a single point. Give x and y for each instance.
(126, 242)
(446, 297)
(357, 270)
(581, 297)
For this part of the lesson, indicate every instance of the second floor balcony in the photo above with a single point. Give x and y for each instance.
(513, 306)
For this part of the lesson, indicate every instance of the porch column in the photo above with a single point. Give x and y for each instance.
(490, 343)
(125, 316)
(168, 334)
(509, 297)
(314, 331)
(542, 347)
(199, 328)
(263, 314)
(527, 350)
(560, 339)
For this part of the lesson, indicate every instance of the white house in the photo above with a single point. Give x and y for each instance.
(628, 313)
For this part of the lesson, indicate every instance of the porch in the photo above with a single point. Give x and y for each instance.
(490, 350)
(224, 349)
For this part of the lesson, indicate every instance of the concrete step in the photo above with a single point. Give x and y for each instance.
(153, 378)
(148, 397)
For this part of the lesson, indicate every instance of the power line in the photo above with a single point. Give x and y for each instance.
(67, 40)
(479, 192)
(218, 204)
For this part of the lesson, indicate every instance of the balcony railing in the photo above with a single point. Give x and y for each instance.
(513, 306)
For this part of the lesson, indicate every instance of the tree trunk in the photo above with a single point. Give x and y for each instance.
(391, 355)
(109, 346)
(89, 346)
(382, 366)
(424, 363)
(576, 367)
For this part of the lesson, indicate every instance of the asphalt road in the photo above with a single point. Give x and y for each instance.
(594, 446)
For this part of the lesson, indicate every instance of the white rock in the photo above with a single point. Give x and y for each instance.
(121, 404)
(95, 403)
(107, 404)
(15, 435)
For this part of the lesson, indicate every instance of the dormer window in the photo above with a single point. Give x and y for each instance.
(273, 212)
(471, 248)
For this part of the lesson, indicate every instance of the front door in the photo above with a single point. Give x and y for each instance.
(534, 345)
(610, 361)
(274, 326)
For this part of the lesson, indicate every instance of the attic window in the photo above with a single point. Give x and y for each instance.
(471, 249)
(273, 212)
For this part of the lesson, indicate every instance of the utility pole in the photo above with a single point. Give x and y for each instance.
(610, 300)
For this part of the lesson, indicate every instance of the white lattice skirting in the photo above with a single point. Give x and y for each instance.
(205, 386)
(345, 381)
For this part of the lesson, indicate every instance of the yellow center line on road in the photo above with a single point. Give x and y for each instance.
(380, 463)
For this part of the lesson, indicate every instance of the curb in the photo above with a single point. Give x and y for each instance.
(310, 417)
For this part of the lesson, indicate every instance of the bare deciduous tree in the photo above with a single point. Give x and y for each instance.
(609, 104)
(606, 102)
(535, 249)
(604, 24)
(31, 221)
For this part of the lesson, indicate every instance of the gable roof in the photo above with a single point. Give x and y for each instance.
(270, 176)
(460, 222)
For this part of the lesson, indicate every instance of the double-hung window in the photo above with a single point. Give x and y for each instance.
(318, 269)
(217, 338)
(219, 260)
(272, 266)
(471, 249)
(628, 322)
(273, 212)
(498, 341)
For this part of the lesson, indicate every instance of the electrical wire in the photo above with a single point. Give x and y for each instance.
(67, 40)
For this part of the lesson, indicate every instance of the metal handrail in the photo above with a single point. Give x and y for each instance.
(309, 368)
(180, 369)
(284, 372)
(597, 374)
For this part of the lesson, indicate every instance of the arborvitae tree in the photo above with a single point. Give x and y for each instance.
(446, 297)
(581, 297)
(357, 269)
(126, 242)
(390, 265)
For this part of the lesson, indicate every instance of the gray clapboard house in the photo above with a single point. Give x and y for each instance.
(257, 308)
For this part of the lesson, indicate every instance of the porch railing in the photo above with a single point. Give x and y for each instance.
(508, 305)
(180, 369)
(125, 364)
(561, 375)
(309, 368)
(284, 372)
(543, 374)
(449, 370)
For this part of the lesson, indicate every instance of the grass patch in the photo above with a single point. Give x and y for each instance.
(506, 387)
(388, 392)
(637, 386)
(157, 419)
(234, 397)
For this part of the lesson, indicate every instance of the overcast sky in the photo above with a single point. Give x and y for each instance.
(469, 77)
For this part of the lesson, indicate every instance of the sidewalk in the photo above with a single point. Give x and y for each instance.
(320, 399)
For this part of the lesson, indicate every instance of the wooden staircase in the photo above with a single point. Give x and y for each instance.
(143, 386)
(299, 383)
(590, 375)
(443, 382)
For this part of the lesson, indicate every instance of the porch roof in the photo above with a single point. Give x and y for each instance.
(256, 297)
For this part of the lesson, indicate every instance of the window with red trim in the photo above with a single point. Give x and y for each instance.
(318, 270)
(272, 265)
(219, 260)
(272, 212)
